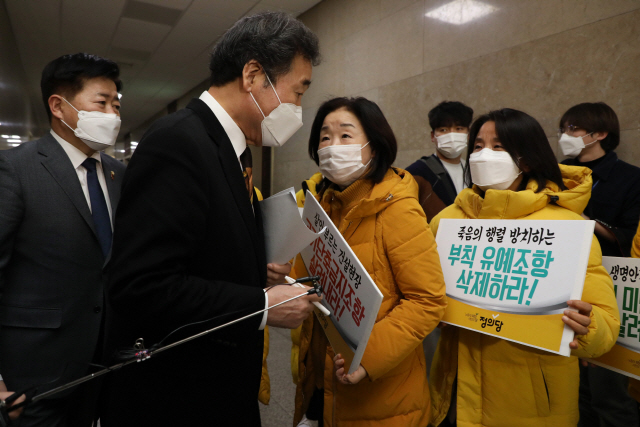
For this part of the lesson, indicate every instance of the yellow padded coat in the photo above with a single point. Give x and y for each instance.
(387, 229)
(299, 270)
(634, 385)
(503, 384)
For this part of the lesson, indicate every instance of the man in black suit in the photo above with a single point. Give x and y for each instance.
(57, 197)
(189, 243)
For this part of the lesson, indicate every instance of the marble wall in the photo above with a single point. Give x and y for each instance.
(539, 56)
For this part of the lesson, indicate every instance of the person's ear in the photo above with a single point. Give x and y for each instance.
(600, 135)
(524, 167)
(250, 73)
(55, 106)
(433, 138)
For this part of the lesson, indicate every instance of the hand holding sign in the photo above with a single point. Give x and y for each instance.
(344, 378)
(579, 320)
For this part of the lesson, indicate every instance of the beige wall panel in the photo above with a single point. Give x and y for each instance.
(541, 57)
(543, 78)
(513, 23)
(333, 20)
(629, 148)
(386, 52)
(291, 174)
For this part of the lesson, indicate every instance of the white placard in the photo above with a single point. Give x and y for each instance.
(624, 357)
(349, 292)
(512, 278)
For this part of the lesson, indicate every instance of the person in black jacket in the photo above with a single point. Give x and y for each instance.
(189, 243)
(58, 195)
(440, 176)
(589, 134)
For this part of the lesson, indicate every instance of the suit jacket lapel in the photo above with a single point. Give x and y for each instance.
(231, 168)
(56, 161)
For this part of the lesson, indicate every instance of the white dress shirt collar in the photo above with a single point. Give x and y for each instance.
(75, 155)
(232, 130)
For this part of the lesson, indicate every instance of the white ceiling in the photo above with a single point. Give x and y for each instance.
(162, 46)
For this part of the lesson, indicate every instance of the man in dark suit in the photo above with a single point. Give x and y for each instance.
(189, 243)
(57, 197)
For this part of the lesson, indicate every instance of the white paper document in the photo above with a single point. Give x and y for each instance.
(285, 234)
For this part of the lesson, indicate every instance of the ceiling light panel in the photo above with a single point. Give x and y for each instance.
(459, 12)
(139, 35)
(87, 25)
(151, 13)
(172, 4)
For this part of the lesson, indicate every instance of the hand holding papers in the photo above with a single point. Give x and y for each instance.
(285, 234)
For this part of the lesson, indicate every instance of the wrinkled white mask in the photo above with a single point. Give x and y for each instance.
(281, 123)
(493, 169)
(572, 146)
(342, 164)
(96, 129)
(452, 144)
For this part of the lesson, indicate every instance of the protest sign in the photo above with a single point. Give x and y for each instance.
(349, 293)
(512, 278)
(624, 357)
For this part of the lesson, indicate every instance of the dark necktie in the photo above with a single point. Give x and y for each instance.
(99, 210)
(247, 162)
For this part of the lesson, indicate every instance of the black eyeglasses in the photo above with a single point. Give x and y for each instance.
(569, 130)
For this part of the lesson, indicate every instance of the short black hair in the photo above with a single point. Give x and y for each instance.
(524, 139)
(273, 39)
(595, 117)
(450, 113)
(68, 73)
(375, 125)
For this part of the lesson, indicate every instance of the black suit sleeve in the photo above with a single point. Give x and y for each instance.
(160, 227)
(11, 213)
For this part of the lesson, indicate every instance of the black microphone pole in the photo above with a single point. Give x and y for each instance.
(144, 354)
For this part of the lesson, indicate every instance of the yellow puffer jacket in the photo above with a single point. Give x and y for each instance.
(264, 394)
(299, 270)
(503, 384)
(386, 228)
(634, 385)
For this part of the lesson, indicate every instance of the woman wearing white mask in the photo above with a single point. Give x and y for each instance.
(375, 207)
(589, 133)
(480, 380)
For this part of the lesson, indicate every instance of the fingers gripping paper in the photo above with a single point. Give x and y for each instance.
(349, 292)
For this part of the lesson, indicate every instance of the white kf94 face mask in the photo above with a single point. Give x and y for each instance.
(96, 129)
(493, 169)
(281, 123)
(572, 146)
(452, 144)
(342, 164)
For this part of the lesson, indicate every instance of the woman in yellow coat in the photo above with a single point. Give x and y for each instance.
(480, 380)
(375, 208)
(634, 385)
